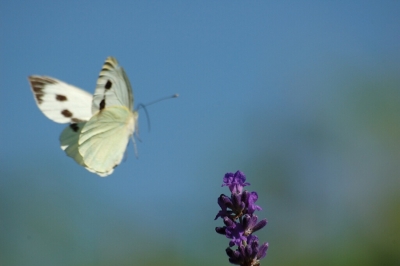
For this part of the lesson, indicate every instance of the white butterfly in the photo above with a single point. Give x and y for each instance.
(100, 126)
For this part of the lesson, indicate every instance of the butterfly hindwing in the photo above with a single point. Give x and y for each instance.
(59, 101)
(104, 138)
(69, 140)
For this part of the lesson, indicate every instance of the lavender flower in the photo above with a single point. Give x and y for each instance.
(237, 212)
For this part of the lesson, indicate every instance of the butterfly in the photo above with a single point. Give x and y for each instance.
(100, 126)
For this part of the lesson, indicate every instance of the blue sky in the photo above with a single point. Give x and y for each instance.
(281, 90)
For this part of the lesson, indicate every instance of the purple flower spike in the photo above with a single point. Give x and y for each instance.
(234, 256)
(229, 223)
(240, 222)
(248, 251)
(260, 225)
(251, 203)
(235, 233)
(220, 230)
(250, 224)
(235, 181)
(262, 251)
(251, 239)
(224, 202)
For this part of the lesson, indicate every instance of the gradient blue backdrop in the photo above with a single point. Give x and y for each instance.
(303, 97)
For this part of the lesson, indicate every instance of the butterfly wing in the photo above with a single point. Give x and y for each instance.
(104, 138)
(59, 101)
(69, 140)
(113, 87)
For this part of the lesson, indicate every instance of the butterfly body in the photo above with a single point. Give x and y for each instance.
(100, 125)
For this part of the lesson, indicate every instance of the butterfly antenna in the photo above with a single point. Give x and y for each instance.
(147, 114)
(141, 105)
(176, 95)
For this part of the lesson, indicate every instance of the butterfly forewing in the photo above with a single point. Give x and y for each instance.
(113, 87)
(59, 101)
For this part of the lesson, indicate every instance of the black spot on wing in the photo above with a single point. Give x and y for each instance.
(61, 98)
(37, 87)
(108, 65)
(39, 97)
(38, 84)
(76, 120)
(66, 113)
(106, 68)
(74, 127)
(102, 104)
(108, 85)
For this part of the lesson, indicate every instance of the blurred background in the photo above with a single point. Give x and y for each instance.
(304, 98)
